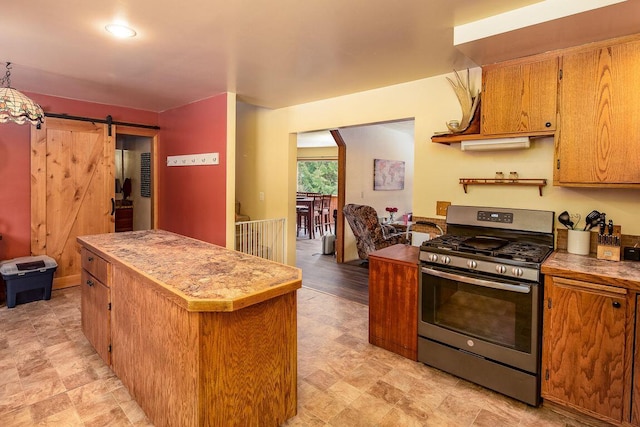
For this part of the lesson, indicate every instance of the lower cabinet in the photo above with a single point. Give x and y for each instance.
(393, 299)
(124, 219)
(635, 381)
(584, 347)
(96, 303)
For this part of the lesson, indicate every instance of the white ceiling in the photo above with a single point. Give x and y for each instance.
(271, 53)
(323, 138)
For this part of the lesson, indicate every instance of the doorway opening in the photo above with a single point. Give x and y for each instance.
(386, 140)
(133, 183)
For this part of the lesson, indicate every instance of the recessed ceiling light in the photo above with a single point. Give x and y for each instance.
(121, 31)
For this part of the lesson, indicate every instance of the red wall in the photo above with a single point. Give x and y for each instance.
(15, 193)
(15, 169)
(191, 199)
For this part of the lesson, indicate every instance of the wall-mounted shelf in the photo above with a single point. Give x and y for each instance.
(504, 181)
(448, 139)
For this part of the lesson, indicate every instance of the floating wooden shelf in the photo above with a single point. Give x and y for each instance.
(448, 139)
(504, 181)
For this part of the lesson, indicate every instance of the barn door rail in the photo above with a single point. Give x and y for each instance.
(108, 121)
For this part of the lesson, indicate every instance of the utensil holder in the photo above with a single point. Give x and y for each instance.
(578, 242)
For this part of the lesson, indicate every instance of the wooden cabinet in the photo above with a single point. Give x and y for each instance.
(124, 219)
(520, 96)
(635, 378)
(393, 299)
(599, 140)
(584, 339)
(96, 303)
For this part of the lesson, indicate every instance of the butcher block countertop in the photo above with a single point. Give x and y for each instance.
(625, 274)
(196, 275)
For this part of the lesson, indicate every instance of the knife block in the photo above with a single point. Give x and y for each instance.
(610, 252)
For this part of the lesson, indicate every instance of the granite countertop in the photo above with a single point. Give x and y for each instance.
(624, 274)
(199, 276)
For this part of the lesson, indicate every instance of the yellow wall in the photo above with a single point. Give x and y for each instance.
(431, 102)
(315, 153)
(231, 170)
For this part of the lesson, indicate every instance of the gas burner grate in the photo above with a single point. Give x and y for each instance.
(524, 251)
(446, 241)
(517, 251)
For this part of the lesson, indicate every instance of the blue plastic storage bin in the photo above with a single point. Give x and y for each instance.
(28, 278)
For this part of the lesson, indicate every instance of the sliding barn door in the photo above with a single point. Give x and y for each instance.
(72, 186)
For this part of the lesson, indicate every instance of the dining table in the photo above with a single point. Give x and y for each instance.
(306, 203)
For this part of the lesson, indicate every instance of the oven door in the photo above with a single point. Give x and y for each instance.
(497, 319)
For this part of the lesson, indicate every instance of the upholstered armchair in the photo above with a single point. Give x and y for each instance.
(370, 234)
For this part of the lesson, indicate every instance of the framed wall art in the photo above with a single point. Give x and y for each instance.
(388, 175)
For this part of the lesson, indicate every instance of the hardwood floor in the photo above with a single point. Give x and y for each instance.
(322, 273)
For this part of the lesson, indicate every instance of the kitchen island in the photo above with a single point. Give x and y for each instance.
(199, 334)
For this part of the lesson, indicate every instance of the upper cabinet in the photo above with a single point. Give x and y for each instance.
(520, 96)
(598, 143)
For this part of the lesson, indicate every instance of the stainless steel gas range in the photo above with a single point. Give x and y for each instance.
(480, 299)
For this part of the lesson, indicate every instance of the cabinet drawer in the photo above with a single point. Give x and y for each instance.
(96, 266)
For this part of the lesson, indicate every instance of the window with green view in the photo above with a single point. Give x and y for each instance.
(318, 176)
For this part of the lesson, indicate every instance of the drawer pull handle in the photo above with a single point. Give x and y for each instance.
(548, 124)
(90, 258)
(90, 282)
(616, 304)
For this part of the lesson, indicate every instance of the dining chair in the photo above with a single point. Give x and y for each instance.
(326, 213)
(318, 223)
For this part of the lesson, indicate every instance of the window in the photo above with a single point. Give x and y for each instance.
(318, 176)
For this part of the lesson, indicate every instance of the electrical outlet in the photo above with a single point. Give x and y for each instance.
(441, 208)
(261, 196)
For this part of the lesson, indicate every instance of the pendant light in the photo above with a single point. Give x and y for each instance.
(16, 106)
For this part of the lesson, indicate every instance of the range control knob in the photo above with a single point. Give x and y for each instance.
(472, 264)
(501, 269)
(445, 259)
(517, 271)
(433, 257)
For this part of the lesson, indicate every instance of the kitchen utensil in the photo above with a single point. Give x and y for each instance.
(565, 219)
(591, 220)
(575, 218)
(610, 227)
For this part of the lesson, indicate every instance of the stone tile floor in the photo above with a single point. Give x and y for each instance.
(51, 376)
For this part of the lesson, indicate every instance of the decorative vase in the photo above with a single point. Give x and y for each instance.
(391, 218)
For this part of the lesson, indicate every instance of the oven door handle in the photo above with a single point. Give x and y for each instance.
(523, 289)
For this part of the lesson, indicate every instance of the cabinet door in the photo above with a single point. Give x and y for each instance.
(599, 139)
(583, 347)
(95, 315)
(393, 305)
(635, 385)
(521, 97)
